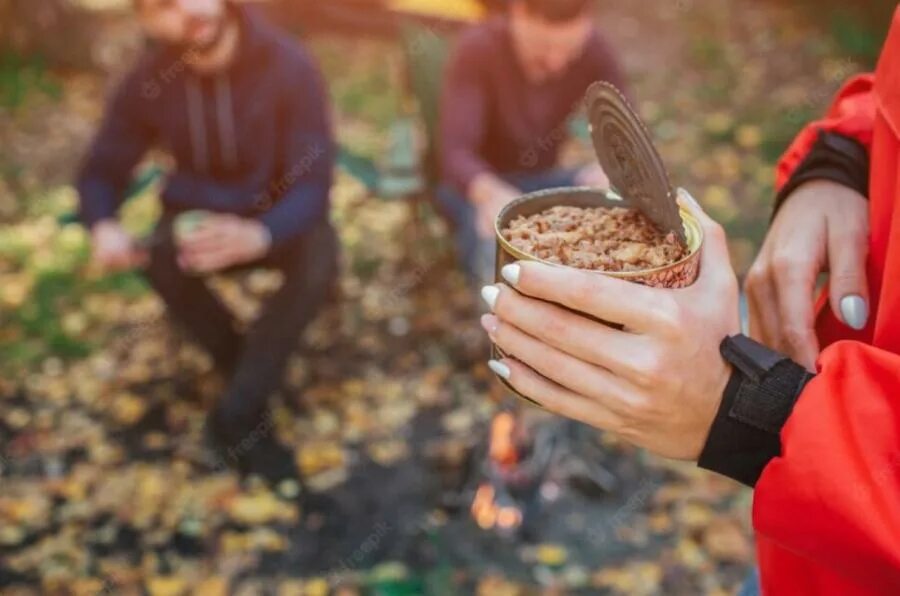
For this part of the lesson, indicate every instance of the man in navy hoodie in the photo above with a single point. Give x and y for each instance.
(242, 110)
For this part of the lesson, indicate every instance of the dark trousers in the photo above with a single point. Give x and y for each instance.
(253, 362)
(476, 254)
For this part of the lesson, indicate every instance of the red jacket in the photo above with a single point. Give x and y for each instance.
(827, 512)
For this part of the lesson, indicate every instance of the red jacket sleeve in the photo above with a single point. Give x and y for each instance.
(851, 114)
(833, 496)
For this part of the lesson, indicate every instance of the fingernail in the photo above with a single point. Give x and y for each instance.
(490, 293)
(490, 324)
(511, 273)
(855, 311)
(685, 197)
(500, 369)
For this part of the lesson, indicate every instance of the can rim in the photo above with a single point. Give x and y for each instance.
(692, 229)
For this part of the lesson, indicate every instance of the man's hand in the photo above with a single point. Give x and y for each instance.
(490, 195)
(658, 382)
(113, 248)
(221, 241)
(823, 226)
(592, 175)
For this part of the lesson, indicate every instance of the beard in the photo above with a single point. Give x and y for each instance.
(202, 47)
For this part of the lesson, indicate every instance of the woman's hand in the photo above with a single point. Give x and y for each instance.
(658, 382)
(823, 226)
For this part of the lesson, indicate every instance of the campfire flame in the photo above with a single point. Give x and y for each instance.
(486, 510)
(488, 514)
(503, 446)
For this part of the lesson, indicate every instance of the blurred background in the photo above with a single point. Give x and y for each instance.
(102, 489)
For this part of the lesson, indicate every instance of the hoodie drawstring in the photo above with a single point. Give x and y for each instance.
(197, 123)
(225, 117)
(224, 120)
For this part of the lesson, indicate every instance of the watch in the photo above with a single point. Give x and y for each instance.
(760, 396)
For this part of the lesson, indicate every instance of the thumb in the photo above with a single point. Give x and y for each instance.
(715, 259)
(848, 288)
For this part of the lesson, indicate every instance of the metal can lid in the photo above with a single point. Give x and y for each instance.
(625, 150)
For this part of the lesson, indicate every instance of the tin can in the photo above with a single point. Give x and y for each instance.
(186, 224)
(680, 274)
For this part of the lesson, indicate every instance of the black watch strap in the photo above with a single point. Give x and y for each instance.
(759, 398)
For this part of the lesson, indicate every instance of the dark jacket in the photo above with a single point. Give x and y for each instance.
(254, 140)
(494, 120)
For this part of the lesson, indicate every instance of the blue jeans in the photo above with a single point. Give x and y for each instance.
(477, 254)
(751, 586)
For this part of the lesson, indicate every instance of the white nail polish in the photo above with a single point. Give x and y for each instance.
(854, 311)
(490, 293)
(511, 273)
(500, 369)
(688, 198)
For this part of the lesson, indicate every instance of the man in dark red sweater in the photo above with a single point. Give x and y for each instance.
(510, 88)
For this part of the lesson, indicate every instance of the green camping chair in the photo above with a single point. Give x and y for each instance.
(410, 170)
(406, 171)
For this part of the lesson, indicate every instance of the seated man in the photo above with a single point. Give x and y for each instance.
(241, 109)
(511, 85)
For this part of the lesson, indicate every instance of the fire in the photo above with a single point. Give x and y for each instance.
(503, 446)
(486, 511)
(488, 514)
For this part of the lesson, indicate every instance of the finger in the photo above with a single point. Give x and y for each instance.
(848, 249)
(795, 279)
(211, 229)
(198, 250)
(209, 261)
(215, 220)
(556, 398)
(568, 332)
(616, 301)
(203, 239)
(216, 240)
(715, 261)
(575, 375)
(763, 305)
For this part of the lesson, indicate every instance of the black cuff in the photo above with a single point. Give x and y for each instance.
(834, 157)
(758, 400)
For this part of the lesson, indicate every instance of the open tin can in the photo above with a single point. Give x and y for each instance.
(679, 274)
(635, 171)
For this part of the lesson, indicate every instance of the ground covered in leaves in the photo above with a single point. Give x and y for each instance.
(105, 485)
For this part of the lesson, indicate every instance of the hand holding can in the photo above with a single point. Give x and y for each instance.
(640, 360)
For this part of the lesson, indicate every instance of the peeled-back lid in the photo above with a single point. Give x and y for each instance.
(631, 162)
